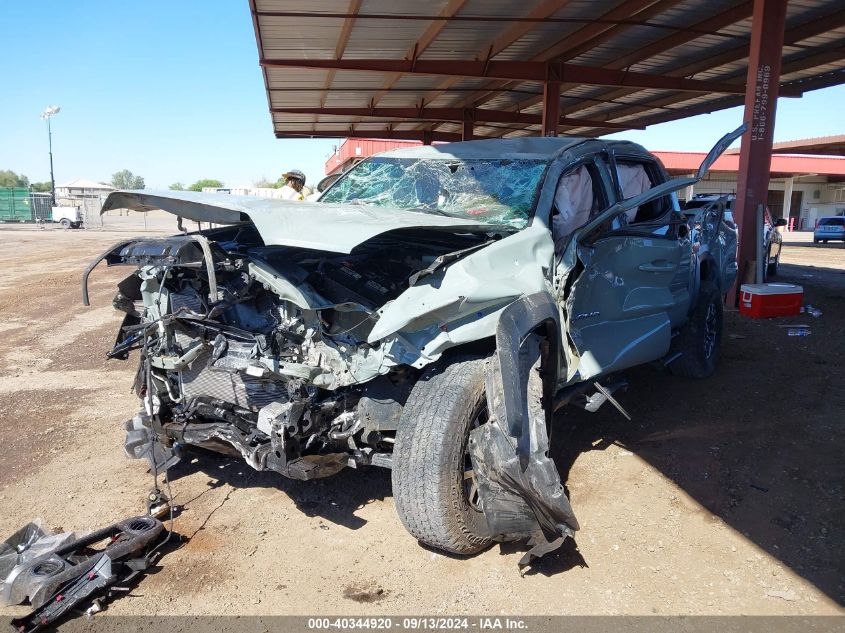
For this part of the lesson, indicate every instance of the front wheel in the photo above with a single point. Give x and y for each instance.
(433, 481)
(65, 223)
(699, 340)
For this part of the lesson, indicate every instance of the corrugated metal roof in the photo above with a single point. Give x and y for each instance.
(678, 40)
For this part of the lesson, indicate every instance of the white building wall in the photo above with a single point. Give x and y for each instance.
(819, 197)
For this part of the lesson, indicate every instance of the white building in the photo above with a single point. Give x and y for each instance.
(82, 193)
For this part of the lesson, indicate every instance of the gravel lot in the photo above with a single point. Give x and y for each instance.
(723, 496)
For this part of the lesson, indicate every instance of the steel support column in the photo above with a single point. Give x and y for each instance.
(761, 93)
(469, 124)
(551, 108)
(788, 186)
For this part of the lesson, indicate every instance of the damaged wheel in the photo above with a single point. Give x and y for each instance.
(433, 483)
(699, 340)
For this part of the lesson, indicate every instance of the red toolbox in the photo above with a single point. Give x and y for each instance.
(770, 300)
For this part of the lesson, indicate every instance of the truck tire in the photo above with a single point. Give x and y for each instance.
(433, 489)
(699, 340)
(65, 223)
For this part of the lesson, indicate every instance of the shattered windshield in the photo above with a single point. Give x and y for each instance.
(497, 191)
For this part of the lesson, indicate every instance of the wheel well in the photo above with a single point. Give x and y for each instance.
(481, 347)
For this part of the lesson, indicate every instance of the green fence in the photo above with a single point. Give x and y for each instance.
(15, 205)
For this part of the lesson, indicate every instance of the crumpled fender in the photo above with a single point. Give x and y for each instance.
(520, 488)
(481, 282)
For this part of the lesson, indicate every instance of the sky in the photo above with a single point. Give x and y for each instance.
(173, 92)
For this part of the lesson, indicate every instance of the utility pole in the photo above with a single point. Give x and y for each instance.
(46, 116)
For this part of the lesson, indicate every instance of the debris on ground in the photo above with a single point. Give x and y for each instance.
(808, 309)
(789, 596)
(74, 573)
(798, 331)
(30, 542)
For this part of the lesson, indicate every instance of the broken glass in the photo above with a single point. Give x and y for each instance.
(496, 191)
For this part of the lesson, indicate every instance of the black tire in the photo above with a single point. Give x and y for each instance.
(430, 460)
(699, 340)
(65, 223)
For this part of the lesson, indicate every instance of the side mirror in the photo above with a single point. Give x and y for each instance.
(780, 222)
(327, 182)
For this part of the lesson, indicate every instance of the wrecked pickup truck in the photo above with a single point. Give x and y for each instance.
(428, 314)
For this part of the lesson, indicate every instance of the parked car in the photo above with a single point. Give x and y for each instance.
(832, 228)
(428, 315)
(772, 238)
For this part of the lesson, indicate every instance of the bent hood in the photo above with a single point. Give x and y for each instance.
(327, 227)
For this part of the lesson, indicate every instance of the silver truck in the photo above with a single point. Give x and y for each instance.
(428, 314)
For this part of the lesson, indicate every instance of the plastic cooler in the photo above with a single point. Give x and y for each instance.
(770, 300)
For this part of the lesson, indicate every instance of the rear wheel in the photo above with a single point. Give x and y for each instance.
(65, 223)
(433, 482)
(699, 340)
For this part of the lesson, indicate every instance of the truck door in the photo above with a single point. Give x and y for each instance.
(636, 278)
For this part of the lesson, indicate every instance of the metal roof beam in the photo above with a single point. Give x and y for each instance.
(687, 34)
(478, 115)
(405, 135)
(834, 78)
(523, 71)
(342, 41)
(714, 23)
(792, 36)
(419, 47)
(793, 88)
(510, 19)
(604, 28)
(591, 35)
(517, 30)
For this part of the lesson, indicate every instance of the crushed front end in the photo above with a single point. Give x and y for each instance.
(262, 351)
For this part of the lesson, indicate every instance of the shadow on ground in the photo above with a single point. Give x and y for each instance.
(759, 444)
(335, 499)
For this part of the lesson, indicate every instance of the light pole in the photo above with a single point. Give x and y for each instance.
(49, 111)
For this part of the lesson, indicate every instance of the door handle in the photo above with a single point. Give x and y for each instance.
(659, 266)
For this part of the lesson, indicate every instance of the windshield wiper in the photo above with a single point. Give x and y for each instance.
(432, 210)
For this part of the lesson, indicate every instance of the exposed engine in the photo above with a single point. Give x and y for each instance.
(263, 351)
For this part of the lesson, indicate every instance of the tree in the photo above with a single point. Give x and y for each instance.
(8, 178)
(263, 182)
(41, 187)
(205, 182)
(125, 179)
(177, 186)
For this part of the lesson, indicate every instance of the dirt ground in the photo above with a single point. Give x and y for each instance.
(723, 496)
